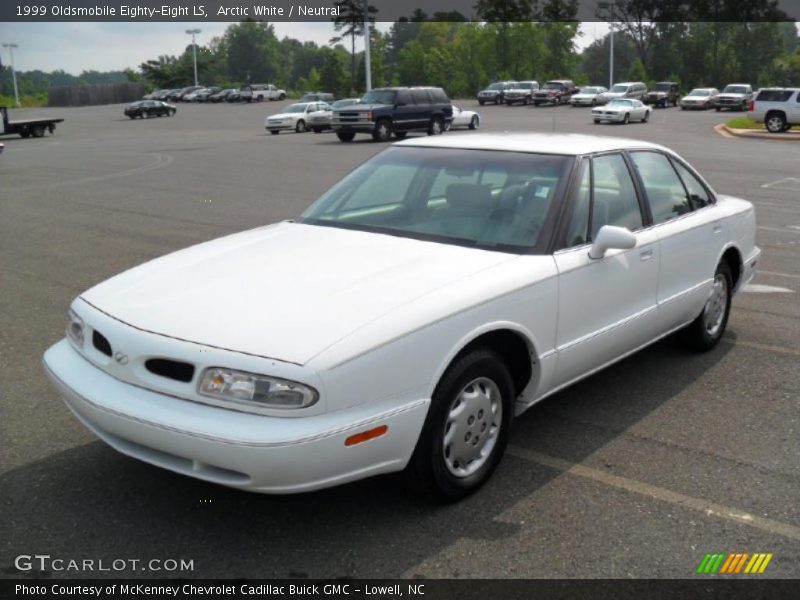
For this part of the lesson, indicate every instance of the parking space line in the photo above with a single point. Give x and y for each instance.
(779, 229)
(766, 347)
(710, 509)
(778, 274)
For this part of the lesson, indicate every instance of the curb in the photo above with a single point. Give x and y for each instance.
(729, 132)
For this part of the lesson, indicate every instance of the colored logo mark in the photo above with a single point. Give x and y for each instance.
(734, 563)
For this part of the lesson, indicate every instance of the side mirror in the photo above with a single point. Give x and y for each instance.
(611, 237)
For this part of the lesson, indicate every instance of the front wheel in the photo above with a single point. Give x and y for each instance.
(646, 117)
(383, 131)
(345, 136)
(706, 330)
(466, 430)
(627, 119)
(300, 127)
(475, 122)
(274, 131)
(400, 135)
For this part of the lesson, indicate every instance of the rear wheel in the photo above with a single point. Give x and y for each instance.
(345, 136)
(436, 126)
(38, 131)
(775, 122)
(480, 102)
(706, 330)
(466, 430)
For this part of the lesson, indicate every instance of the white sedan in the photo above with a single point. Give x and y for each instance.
(622, 110)
(587, 96)
(296, 117)
(463, 118)
(440, 289)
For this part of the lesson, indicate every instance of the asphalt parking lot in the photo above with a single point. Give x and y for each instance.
(635, 472)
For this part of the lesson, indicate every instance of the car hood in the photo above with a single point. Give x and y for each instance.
(612, 94)
(731, 95)
(286, 291)
(657, 93)
(581, 96)
(353, 107)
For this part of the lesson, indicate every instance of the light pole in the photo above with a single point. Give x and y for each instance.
(11, 47)
(610, 7)
(367, 61)
(193, 32)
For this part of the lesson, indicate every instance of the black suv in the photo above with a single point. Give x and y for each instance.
(663, 94)
(397, 110)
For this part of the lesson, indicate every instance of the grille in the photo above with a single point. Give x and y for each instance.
(101, 343)
(171, 369)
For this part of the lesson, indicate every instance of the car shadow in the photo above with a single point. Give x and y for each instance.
(90, 501)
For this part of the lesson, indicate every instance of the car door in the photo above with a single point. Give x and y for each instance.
(794, 109)
(690, 232)
(607, 306)
(404, 111)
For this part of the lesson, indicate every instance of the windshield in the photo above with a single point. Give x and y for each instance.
(619, 89)
(700, 93)
(379, 97)
(296, 108)
(551, 86)
(341, 103)
(468, 197)
(663, 87)
(735, 89)
(620, 102)
(497, 86)
(590, 90)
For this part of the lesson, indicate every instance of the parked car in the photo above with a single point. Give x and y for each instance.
(587, 96)
(195, 95)
(150, 108)
(154, 95)
(556, 91)
(234, 96)
(221, 95)
(320, 121)
(317, 97)
(495, 92)
(663, 94)
(700, 99)
(403, 321)
(384, 112)
(630, 89)
(179, 95)
(295, 117)
(464, 118)
(521, 92)
(735, 96)
(205, 95)
(621, 110)
(777, 108)
(258, 92)
(164, 95)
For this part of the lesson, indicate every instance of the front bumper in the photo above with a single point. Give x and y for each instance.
(613, 118)
(276, 455)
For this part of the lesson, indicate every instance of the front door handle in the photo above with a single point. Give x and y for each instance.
(717, 228)
(645, 255)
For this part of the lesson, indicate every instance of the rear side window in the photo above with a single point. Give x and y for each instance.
(698, 195)
(420, 97)
(665, 192)
(614, 196)
(774, 95)
(438, 96)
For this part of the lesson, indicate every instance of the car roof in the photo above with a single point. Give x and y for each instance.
(571, 144)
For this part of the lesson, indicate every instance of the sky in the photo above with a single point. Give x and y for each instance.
(76, 47)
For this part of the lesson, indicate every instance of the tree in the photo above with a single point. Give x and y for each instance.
(252, 52)
(501, 13)
(332, 73)
(350, 22)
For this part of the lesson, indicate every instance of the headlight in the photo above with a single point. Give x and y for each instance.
(255, 390)
(75, 328)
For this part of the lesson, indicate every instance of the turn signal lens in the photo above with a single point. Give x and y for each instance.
(365, 436)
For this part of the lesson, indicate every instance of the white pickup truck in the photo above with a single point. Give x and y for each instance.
(258, 92)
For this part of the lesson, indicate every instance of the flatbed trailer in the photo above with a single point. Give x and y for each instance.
(28, 127)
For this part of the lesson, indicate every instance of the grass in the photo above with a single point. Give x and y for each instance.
(27, 101)
(745, 123)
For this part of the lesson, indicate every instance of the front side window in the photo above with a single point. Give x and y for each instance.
(479, 198)
(614, 200)
(664, 189)
(578, 230)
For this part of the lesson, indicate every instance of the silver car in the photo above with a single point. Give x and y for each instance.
(320, 121)
(587, 96)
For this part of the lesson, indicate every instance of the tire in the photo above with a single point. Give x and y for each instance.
(743, 107)
(646, 117)
(317, 130)
(475, 122)
(497, 100)
(448, 126)
(627, 119)
(597, 121)
(145, 115)
(300, 127)
(172, 113)
(466, 430)
(282, 97)
(480, 102)
(132, 116)
(594, 102)
(718, 108)
(706, 330)
(775, 122)
(274, 131)
(38, 131)
(400, 135)
(345, 136)
(436, 126)
(683, 108)
(25, 133)
(526, 101)
(383, 131)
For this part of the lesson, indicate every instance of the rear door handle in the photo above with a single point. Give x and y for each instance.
(717, 228)
(645, 255)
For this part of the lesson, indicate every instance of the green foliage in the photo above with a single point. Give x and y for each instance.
(637, 71)
(26, 101)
